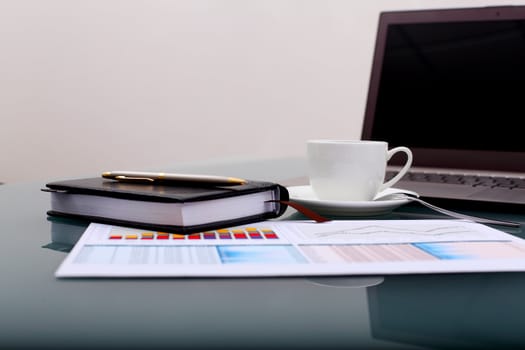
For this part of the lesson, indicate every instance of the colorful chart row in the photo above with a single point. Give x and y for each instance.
(241, 234)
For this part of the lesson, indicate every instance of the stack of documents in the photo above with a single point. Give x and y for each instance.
(297, 248)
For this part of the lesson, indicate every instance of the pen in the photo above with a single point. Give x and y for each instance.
(150, 177)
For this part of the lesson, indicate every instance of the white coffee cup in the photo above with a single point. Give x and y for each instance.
(351, 170)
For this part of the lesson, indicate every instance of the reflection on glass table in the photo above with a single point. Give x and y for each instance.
(450, 311)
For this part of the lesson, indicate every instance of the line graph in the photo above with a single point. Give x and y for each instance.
(381, 229)
(391, 231)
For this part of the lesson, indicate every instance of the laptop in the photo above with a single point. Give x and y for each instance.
(450, 85)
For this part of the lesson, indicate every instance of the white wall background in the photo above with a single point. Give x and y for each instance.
(94, 85)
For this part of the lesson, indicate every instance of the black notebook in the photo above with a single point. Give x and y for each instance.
(168, 208)
(448, 83)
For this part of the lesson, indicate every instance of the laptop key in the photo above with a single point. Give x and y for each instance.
(504, 182)
(470, 179)
(454, 179)
(520, 183)
(486, 181)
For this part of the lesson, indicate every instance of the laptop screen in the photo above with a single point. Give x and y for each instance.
(450, 84)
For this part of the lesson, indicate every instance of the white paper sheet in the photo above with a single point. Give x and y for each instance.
(297, 248)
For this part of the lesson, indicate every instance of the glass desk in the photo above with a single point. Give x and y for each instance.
(393, 312)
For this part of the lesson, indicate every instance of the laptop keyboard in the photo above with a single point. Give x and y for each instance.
(473, 180)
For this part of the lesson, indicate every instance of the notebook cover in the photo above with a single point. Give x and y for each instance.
(159, 193)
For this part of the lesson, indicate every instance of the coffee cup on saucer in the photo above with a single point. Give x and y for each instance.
(351, 170)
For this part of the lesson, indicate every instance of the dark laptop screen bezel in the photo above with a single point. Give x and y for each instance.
(442, 158)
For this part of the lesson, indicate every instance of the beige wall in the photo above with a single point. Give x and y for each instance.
(94, 85)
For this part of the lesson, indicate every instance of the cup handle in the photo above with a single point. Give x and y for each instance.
(403, 170)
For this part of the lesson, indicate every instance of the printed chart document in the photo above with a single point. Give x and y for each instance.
(297, 248)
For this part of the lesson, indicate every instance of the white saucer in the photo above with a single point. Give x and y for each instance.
(305, 196)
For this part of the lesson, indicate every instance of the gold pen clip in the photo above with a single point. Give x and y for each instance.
(133, 179)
